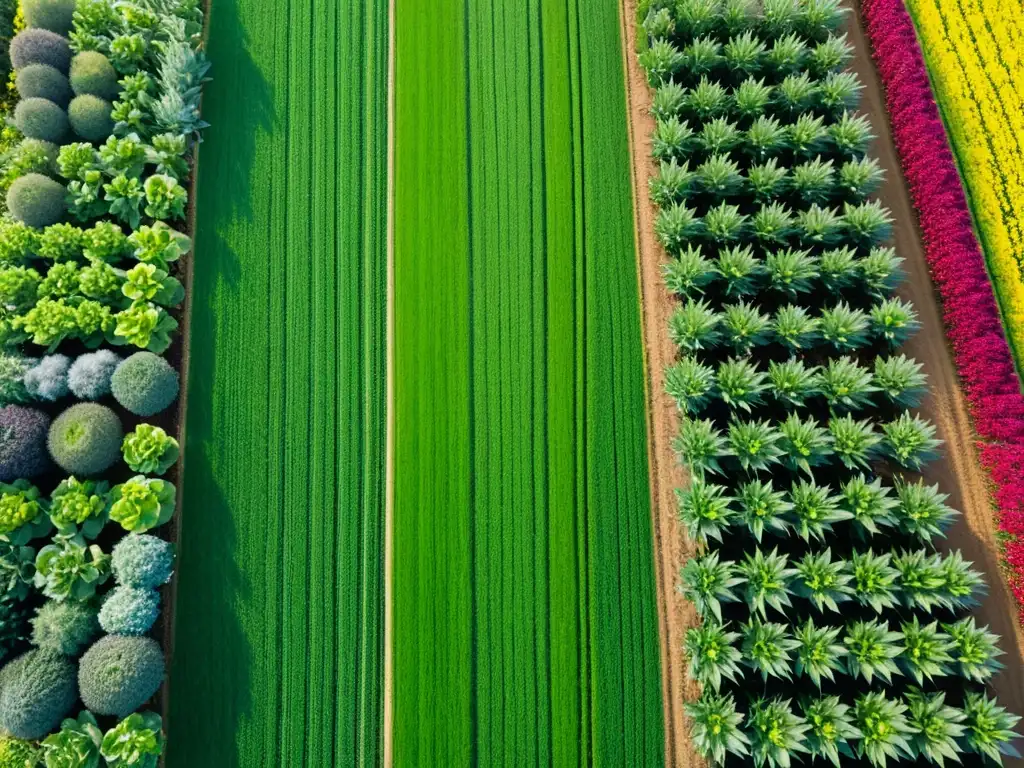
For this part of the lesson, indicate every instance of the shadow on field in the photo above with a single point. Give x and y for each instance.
(209, 691)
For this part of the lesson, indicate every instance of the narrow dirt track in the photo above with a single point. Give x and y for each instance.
(958, 472)
(671, 546)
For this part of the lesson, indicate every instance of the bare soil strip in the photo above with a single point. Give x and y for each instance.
(958, 472)
(671, 546)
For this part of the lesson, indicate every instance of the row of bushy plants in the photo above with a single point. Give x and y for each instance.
(817, 573)
(90, 249)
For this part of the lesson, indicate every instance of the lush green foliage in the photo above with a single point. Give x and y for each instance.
(149, 450)
(117, 675)
(129, 611)
(36, 690)
(86, 439)
(75, 745)
(66, 627)
(143, 561)
(23, 448)
(36, 200)
(44, 82)
(40, 46)
(144, 384)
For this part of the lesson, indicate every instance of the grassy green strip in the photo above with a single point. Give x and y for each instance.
(279, 637)
(525, 624)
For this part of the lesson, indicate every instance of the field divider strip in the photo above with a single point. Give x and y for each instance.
(389, 410)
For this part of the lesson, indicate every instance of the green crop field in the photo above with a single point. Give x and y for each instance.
(525, 624)
(279, 651)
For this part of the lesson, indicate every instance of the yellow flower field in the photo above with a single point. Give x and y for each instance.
(978, 75)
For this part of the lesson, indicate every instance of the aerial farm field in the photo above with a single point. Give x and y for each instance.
(511, 382)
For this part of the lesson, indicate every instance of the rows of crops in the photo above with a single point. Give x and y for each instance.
(831, 625)
(278, 657)
(524, 597)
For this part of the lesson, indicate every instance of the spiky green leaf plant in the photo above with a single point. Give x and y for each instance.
(712, 654)
(832, 729)
(772, 224)
(751, 97)
(923, 512)
(745, 327)
(737, 16)
(901, 379)
(839, 91)
(779, 16)
(740, 270)
(792, 382)
(768, 578)
(719, 176)
(872, 650)
(760, 507)
(707, 582)
(787, 54)
(823, 581)
(870, 503)
(894, 321)
(829, 55)
(795, 94)
(819, 226)
(937, 726)
(661, 60)
(743, 53)
(673, 184)
(790, 271)
(851, 135)
(695, 325)
(813, 180)
(819, 653)
(766, 648)
(975, 650)
(927, 651)
(962, 584)
(815, 509)
(776, 733)
(844, 327)
(701, 56)
(839, 269)
(715, 727)
(696, 17)
(741, 384)
(989, 728)
(699, 446)
(704, 508)
(854, 442)
(859, 178)
(819, 18)
(754, 444)
(676, 226)
(718, 135)
(690, 382)
(659, 23)
(911, 440)
(805, 443)
(767, 180)
(874, 580)
(765, 138)
(672, 138)
(724, 224)
(846, 385)
(884, 729)
(794, 327)
(689, 272)
(807, 135)
(668, 101)
(920, 578)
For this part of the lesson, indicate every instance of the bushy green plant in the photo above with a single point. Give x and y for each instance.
(17, 753)
(79, 506)
(105, 241)
(137, 740)
(41, 119)
(36, 200)
(778, 733)
(715, 727)
(22, 443)
(143, 561)
(91, 73)
(86, 439)
(36, 690)
(90, 374)
(975, 650)
(14, 616)
(129, 611)
(872, 650)
(19, 288)
(869, 503)
(144, 384)
(159, 244)
(13, 368)
(17, 570)
(819, 652)
(149, 450)
(117, 675)
(147, 282)
(48, 379)
(22, 513)
(54, 15)
(71, 569)
(144, 325)
(90, 117)
(40, 46)
(75, 745)
(767, 581)
(704, 510)
(142, 503)
(124, 195)
(712, 654)
(766, 649)
(989, 728)
(761, 508)
(66, 627)
(41, 81)
(831, 729)
(61, 243)
(690, 383)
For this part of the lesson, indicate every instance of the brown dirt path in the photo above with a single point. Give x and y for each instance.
(671, 546)
(958, 472)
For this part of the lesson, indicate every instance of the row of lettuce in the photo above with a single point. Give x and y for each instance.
(95, 181)
(977, 74)
(831, 628)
